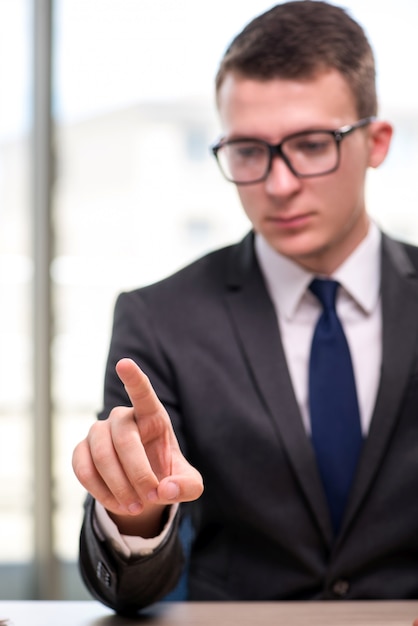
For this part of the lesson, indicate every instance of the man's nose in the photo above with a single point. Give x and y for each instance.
(281, 180)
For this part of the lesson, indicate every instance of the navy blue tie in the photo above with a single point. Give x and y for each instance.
(334, 412)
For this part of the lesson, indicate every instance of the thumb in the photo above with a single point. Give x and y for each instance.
(179, 488)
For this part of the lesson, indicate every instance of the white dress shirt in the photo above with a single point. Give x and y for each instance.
(358, 307)
(128, 545)
(297, 310)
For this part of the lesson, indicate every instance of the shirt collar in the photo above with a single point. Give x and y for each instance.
(287, 281)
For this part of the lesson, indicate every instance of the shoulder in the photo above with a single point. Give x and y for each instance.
(404, 254)
(203, 278)
(412, 252)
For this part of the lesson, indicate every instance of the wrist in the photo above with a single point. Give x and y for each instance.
(149, 523)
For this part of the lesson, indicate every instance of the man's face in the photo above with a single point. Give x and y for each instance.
(317, 222)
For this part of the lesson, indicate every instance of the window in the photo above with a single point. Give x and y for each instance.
(16, 395)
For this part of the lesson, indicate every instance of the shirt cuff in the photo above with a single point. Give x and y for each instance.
(128, 545)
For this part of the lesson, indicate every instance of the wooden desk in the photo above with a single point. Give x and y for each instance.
(214, 614)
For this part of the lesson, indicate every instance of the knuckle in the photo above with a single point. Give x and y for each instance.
(84, 472)
(125, 439)
(109, 502)
(122, 494)
(101, 454)
(142, 479)
(119, 412)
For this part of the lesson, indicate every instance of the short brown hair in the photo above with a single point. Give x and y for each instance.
(299, 39)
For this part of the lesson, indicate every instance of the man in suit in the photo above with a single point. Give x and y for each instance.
(213, 370)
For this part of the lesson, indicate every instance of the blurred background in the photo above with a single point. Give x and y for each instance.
(107, 184)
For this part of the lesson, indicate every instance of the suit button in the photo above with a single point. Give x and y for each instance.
(103, 574)
(340, 588)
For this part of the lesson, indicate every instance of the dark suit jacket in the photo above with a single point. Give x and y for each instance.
(209, 340)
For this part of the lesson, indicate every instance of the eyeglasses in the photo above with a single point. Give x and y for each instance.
(307, 154)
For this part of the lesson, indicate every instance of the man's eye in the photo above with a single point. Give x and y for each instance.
(248, 152)
(313, 146)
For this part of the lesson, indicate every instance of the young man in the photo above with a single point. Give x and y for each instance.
(301, 420)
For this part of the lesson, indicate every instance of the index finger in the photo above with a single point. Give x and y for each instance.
(139, 389)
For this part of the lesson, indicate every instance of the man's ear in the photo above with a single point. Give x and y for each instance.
(380, 135)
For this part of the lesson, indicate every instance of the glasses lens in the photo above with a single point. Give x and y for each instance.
(243, 161)
(312, 153)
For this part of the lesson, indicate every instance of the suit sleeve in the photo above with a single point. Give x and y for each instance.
(127, 585)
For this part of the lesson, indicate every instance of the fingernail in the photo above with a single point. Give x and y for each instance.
(153, 495)
(172, 491)
(135, 508)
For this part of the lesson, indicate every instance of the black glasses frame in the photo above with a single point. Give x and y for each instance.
(275, 150)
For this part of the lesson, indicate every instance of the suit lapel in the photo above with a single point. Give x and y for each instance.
(399, 295)
(256, 325)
